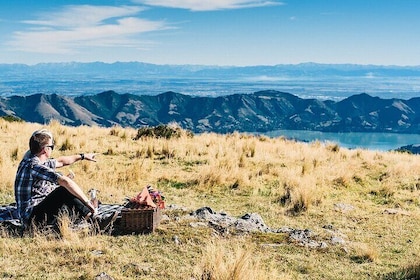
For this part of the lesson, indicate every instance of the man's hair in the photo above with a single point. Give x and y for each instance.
(39, 140)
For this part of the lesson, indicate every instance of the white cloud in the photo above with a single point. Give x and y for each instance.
(76, 27)
(84, 15)
(208, 5)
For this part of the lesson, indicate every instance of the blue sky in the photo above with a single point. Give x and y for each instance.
(211, 32)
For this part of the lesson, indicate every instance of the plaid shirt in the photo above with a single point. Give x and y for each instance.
(30, 183)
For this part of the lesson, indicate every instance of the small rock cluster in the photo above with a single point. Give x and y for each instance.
(224, 224)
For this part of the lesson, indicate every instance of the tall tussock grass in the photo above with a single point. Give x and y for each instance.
(230, 260)
(368, 200)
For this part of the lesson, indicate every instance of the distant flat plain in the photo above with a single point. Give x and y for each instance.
(334, 88)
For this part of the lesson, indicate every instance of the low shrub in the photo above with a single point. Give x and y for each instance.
(11, 118)
(162, 131)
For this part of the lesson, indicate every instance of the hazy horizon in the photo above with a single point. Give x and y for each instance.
(305, 81)
(215, 65)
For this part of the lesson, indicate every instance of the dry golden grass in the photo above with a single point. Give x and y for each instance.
(297, 185)
(230, 260)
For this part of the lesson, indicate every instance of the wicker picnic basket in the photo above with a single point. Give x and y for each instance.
(140, 220)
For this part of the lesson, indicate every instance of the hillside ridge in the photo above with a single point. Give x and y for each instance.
(261, 111)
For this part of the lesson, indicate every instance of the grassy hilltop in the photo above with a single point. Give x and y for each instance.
(368, 200)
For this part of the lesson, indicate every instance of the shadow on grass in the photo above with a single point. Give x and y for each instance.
(411, 272)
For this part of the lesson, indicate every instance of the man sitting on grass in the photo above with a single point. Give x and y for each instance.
(41, 191)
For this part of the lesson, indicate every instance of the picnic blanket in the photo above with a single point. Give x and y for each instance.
(9, 214)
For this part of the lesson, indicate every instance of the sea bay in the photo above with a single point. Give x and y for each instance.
(352, 140)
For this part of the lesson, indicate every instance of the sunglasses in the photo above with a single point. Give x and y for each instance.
(51, 146)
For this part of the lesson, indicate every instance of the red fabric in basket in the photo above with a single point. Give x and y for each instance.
(145, 199)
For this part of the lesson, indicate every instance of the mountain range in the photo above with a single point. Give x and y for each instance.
(123, 70)
(260, 111)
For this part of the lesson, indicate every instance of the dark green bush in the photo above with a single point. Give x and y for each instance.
(161, 131)
(11, 118)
